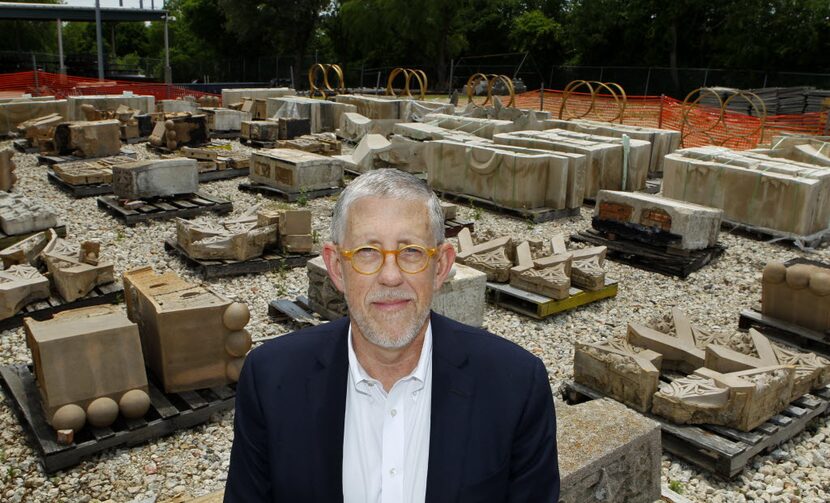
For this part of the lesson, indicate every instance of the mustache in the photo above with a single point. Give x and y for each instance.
(389, 295)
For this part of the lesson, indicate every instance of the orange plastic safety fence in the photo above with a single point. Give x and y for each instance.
(703, 127)
(61, 86)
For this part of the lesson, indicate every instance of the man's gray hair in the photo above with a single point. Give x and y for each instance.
(387, 183)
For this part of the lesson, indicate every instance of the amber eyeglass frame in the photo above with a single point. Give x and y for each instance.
(349, 254)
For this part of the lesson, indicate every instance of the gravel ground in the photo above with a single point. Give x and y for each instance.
(195, 461)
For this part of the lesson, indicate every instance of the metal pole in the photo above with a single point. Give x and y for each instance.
(660, 116)
(362, 70)
(648, 79)
(277, 78)
(452, 64)
(61, 67)
(168, 72)
(377, 85)
(705, 77)
(542, 97)
(34, 69)
(291, 70)
(99, 39)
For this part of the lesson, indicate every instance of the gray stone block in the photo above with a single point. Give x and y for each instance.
(21, 215)
(155, 178)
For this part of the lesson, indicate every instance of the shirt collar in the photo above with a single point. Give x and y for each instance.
(358, 373)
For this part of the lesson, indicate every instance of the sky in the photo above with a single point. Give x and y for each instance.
(133, 4)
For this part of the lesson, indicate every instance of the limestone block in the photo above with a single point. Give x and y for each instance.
(155, 178)
(20, 285)
(662, 141)
(292, 127)
(354, 126)
(607, 453)
(367, 150)
(799, 294)
(225, 240)
(91, 172)
(494, 258)
(26, 251)
(174, 106)
(752, 189)
(13, 113)
(75, 269)
(324, 115)
(587, 268)
(317, 143)
(40, 131)
(461, 297)
(622, 371)
(21, 215)
(692, 226)
(513, 179)
(678, 353)
(548, 276)
(292, 243)
(374, 107)
(178, 130)
(109, 102)
(450, 210)
(293, 170)
(89, 358)
(607, 164)
(7, 167)
(404, 154)
(295, 222)
(484, 128)
(88, 138)
(191, 336)
(425, 132)
(223, 119)
(260, 130)
(231, 96)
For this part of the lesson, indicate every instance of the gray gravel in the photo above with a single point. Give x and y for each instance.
(195, 461)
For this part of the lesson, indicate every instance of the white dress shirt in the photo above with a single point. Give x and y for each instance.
(386, 435)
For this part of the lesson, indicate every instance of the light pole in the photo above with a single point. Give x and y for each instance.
(100, 41)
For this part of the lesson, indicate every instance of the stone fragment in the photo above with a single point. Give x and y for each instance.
(317, 143)
(354, 127)
(21, 215)
(155, 178)
(91, 172)
(40, 131)
(363, 157)
(461, 297)
(83, 357)
(548, 276)
(217, 157)
(176, 106)
(494, 258)
(450, 210)
(484, 128)
(75, 269)
(110, 102)
(425, 132)
(231, 96)
(26, 251)
(658, 219)
(799, 294)
(587, 264)
(15, 112)
(178, 130)
(291, 128)
(294, 171)
(228, 239)
(183, 332)
(20, 285)
(7, 167)
(607, 453)
(88, 138)
(223, 119)
(266, 130)
(323, 115)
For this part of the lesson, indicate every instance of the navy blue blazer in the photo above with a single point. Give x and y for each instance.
(492, 424)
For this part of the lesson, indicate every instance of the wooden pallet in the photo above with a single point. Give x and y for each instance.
(297, 311)
(535, 215)
(257, 143)
(453, 227)
(225, 135)
(7, 240)
(786, 332)
(288, 196)
(540, 307)
(111, 293)
(137, 139)
(223, 174)
(85, 190)
(51, 160)
(661, 259)
(22, 145)
(184, 206)
(269, 261)
(718, 449)
(168, 413)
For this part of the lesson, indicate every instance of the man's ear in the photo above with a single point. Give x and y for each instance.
(445, 259)
(334, 265)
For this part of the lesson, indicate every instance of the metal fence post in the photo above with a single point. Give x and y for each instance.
(660, 114)
(452, 64)
(542, 97)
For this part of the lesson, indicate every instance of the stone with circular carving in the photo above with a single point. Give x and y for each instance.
(102, 412)
(798, 276)
(233, 368)
(775, 272)
(238, 343)
(820, 283)
(134, 404)
(69, 417)
(236, 316)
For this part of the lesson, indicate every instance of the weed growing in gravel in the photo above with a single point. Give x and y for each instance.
(676, 486)
(476, 211)
(302, 199)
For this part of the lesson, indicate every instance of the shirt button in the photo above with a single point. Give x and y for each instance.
(393, 472)
(371, 384)
(393, 412)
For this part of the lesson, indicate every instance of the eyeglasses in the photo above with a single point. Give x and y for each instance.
(368, 259)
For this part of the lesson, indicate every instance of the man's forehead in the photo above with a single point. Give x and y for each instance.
(374, 215)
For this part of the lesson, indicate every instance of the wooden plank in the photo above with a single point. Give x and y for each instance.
(192, 399)
(182, 203)
(223, 392)
(160, 402)
(540, 307)
(290, 310)
(223, 174)
(786, 332)
(535, 215)
(78, 190)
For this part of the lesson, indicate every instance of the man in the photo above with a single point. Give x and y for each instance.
(396, 404)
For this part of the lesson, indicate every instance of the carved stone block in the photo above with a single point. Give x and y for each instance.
(26, 251)
(192, 337)
(178, 130)
(798, 294)
(20, 285)
(21, 215)
(7, 166)
(88, 138)
(155, 178)
(481, 127)
(236, 95)
(224, 119)
(494, 258)
(226, 240)
(92, 172)
(260, 130)
(690, 226)
(75, 269)
(548, 276)
(317, 143)
(324, 116)
(110, 102)
(294, 170)
(89, 367)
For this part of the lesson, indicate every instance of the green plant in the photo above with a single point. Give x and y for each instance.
(119, 235)
(676, 486)
(476, 211)
(315, 237)
(530, 223)
(302, 199)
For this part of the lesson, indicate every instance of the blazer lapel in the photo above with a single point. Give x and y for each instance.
(327, 399)
(452, 395)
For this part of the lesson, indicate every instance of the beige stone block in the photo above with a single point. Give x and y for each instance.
(20, 285)
(294, 243)
(798, 294)
(7, 167)
(75, 269)
(88, 138)
(14, 112)
(260, 130)
(294, 170)
(295, 222)
(494, 258)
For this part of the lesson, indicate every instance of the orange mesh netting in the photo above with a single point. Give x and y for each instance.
(704, 125)
(61, 86)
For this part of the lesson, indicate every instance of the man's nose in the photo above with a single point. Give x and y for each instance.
(390, 274)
